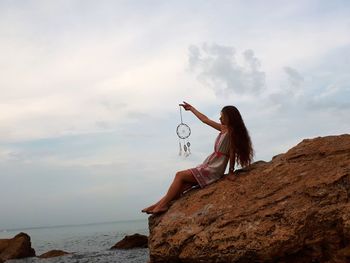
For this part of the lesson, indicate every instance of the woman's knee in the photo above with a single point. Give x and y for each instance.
(184, 176)
(179, 175)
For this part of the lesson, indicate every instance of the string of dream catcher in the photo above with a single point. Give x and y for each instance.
(183, 132)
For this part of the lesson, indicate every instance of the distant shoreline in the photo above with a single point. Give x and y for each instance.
(69, 225)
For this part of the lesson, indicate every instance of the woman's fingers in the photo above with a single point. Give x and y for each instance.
(186, 105)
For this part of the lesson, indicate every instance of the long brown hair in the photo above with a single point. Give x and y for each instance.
(240, 144)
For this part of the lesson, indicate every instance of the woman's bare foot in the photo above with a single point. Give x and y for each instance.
(159, 209)
(148, 209)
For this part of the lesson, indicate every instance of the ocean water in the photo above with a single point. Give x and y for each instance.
(90, 243)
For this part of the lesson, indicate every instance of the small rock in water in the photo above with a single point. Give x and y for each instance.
(54, 253)
(133, 241)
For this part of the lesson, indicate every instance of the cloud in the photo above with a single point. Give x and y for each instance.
(289, 91)
(318, 85)
(220, 68)
(295, 79)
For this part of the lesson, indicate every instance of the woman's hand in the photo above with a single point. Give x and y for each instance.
(186, 106)
(231, 176)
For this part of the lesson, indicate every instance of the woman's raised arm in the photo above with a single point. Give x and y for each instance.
(202, 117)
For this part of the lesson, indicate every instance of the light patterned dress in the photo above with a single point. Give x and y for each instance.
(214, 166)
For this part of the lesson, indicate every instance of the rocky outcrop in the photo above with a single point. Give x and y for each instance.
(17, 247)
(53, 253)
(133, 241)
(293, 209)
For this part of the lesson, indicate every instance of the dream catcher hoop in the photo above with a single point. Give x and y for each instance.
(183, 131)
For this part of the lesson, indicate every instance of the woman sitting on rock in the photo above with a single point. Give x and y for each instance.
(232, 145)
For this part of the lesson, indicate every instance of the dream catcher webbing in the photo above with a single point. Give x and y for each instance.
(183, 132)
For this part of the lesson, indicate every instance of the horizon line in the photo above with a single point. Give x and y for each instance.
(67, 225)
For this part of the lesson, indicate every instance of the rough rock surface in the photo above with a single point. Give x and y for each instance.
(17, 247)
(294, 208)
(53, 253)
(133, 241)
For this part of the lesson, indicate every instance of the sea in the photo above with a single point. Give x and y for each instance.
(88, 242)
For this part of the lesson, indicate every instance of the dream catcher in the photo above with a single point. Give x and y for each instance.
(183, 132)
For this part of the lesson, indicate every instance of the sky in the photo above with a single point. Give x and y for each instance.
(90, 93)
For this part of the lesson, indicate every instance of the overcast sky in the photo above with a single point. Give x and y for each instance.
(90, 93)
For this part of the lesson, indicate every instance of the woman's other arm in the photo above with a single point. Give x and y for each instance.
(231, 173)
(202, 117)
(232, 162)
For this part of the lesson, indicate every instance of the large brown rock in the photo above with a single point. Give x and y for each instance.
(294, 209)
(133, 241)
(17, 247)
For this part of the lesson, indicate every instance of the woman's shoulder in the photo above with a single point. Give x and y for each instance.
(224, 129)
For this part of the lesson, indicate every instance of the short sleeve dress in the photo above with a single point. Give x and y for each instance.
(214, 166)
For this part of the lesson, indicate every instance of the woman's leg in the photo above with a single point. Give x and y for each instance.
(181, 182)
(185, 187)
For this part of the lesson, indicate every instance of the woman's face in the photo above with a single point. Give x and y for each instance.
(223, 119)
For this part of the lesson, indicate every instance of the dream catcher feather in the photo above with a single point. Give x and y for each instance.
(183, 132)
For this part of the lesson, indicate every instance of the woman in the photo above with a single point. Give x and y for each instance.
(232, 145)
